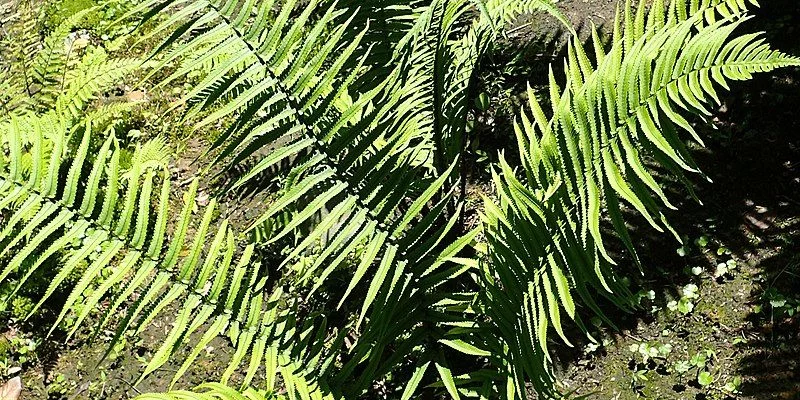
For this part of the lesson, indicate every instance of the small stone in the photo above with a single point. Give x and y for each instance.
(757, 223)
(80, 43)
(202, 199)
(137, 96)
(11, 390)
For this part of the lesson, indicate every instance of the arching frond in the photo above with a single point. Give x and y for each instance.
(213, 391)
(613, 115)
(105, 214)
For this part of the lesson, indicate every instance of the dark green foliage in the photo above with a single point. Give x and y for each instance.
(380, 282)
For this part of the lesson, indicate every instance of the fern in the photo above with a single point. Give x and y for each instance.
(121, 217)
(544, 236)
(100, 214)
(365, 164)
(368, 136)
(214, 391)
(19, 38)
(59, 54)
(96, 72)
(157, 280)
(64, 72)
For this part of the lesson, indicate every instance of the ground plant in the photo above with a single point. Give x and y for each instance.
(325, 232)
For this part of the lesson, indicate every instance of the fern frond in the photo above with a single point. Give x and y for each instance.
(94, 73)
(19, 40)
(373, 167)
(613, 114)
(57, 55)
(445, 69)
(104, 216)
(212, 391)
(55, 72)
(99, 217)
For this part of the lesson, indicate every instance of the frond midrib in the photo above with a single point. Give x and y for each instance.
(112, 236)
(317, 145)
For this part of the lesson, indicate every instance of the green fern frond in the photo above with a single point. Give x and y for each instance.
(64, 72)
(95, 72)
(609, 117)
(19, 40)
(627, 106)
(212, 391)
(444, 48)
(58, 54)
(102, 215)
(374, 172)
(275, 77)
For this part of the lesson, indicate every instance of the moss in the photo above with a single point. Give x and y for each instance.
(56, 12)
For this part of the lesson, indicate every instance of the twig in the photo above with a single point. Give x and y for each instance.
(632, 336)
(787, 198)
(515, 29)
(789, 264)
(80, 390)
(129, 384)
